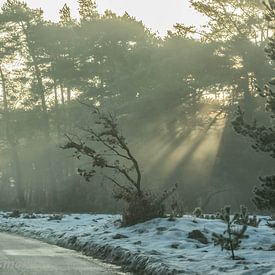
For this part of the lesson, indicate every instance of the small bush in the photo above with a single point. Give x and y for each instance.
(197, 212)
(231, 238)
(176, 208)
(242, 218)
(143, 207)
(14, 214)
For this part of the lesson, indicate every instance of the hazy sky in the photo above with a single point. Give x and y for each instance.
(159, 15)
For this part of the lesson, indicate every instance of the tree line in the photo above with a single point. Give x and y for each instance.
(117, 64)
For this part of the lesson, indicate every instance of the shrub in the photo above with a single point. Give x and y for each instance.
(244, 219)
(142, 208)
(14, 214)
(231, 238)
(197, 212)
(176, 208)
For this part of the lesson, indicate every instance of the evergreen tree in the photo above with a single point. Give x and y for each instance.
(263, 137)
(239, 31)
(8, 49)
(231, 238)
(25, 22)
(230, 18)
(65, 15)
(87, 10)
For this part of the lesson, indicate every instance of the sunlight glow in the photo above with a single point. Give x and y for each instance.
(218, 95)
(194, 154)
(237, 62)
(198, 151)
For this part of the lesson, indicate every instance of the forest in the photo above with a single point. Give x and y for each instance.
(122, 145)
(171, 108)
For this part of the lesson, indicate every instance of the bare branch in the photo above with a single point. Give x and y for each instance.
(117, 184)
(91, 131)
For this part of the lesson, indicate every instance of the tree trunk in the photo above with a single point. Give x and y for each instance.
(52, 179)
(62, 94)
(12, 146)
(68, 94)
(57, 109)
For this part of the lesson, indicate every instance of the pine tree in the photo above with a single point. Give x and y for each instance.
(263, 137)
(87, 10)
(25, 22)
(65, 15)
(231, 238)
(8, 48)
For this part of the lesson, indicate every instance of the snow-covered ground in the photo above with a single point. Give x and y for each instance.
(158, 246)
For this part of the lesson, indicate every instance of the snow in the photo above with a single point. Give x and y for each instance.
(158, 246)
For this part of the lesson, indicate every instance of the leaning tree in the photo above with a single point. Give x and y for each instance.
(106, 149)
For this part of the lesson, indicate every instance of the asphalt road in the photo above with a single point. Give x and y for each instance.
(19, 255)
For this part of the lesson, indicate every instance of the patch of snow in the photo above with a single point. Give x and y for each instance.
(158, 246)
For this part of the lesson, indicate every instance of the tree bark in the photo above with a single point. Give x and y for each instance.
(68, 94)
(52, 188)
(12, 145)
(62, 94)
